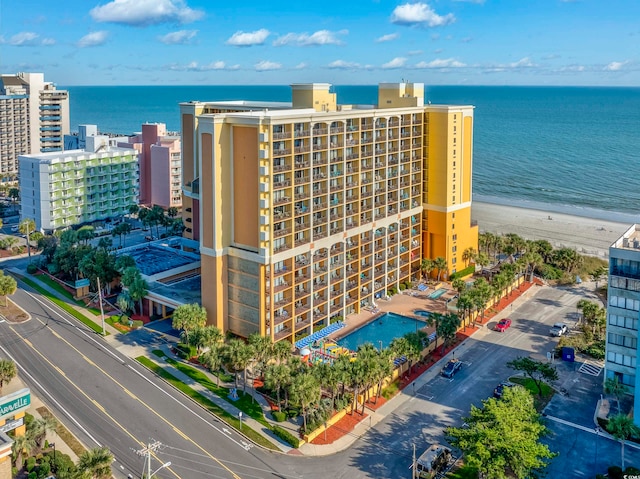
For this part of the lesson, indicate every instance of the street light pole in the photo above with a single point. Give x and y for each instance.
(53, 466)
(240, 417)
(104, 332)
(166, 464)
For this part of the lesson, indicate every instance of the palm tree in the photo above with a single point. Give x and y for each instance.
(598, 274)
(440, 264)
(342, 369)
(356, 380)
(328, 378)
(8, 371)
(384, 369)
(263, 350)
(282, 351)
(276, 377)
(41, 427)
(238, 354)
(622, 428)
(616, 389)
(96, 463)
(212, 360)
(210, 336)
(533, 260)
(189, 317)
(467, 255)
(22, 445)
(464, 305)
(368, 354)
(426, 267)
(305, 390)
(8, 286)
(459, 285)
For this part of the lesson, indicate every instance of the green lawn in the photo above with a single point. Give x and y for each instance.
(530, 385)
(66, 306)
(245, 402)
(464, 472)
(52, 283)
(206, 403)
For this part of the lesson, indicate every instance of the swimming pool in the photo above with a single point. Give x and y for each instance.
(385, 328)
(437, 293)
(422, 314)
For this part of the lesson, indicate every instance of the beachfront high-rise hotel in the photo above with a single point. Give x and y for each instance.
(34, 117)
(310, 210)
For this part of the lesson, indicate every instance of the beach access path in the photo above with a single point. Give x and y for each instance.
(588, 236)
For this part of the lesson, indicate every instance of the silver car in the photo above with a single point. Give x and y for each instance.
(558, 329)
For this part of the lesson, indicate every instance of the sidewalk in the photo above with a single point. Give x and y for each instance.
(340, 444)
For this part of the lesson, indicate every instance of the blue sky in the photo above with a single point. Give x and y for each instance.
(438, 42)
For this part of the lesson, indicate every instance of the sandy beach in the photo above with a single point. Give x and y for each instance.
(586, 235)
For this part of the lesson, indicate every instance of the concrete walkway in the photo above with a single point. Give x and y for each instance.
(133, 351)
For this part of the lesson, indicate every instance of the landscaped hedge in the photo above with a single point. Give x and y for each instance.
(286, 436)
(279, 416)
(186, 351)
(463, 272)
(32, 269)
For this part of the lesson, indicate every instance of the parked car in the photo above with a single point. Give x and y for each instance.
(558, 329)
(451, 368)
(433, 461)
(503, 325)
(497, 392)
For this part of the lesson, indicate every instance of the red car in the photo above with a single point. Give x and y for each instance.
(503, 325)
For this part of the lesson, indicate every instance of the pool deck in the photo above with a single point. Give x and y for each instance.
(404, 303)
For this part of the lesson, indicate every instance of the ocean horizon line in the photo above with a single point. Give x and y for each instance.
(262, 85)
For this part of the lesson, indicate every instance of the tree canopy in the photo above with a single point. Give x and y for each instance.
(502, 438)
(538, 371)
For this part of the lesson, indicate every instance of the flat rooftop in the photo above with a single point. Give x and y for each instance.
(153, 258)
(186, 291)
(630, 239)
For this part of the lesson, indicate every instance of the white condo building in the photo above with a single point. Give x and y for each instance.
(623, 311)
(78, 186)
(34, 116)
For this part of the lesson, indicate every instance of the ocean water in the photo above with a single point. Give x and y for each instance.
(568, 149)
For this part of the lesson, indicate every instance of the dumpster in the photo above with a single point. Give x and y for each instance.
(568, 354)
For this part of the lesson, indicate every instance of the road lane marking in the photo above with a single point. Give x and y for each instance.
(93, 401)
(234, 475)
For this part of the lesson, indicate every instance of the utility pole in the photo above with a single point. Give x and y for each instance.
(413, 466)
(146, 452)
(104, 332)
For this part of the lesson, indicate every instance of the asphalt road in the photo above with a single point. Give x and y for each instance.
(108, 399)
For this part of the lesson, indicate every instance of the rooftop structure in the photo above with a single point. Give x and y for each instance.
(34, 116)
(310, 211)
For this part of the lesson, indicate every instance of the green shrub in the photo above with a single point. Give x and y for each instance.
(124, 319)
(463, 272)
(31, 463)
(596, 350)
(279, 416)
(43, 470)
(632, 471)
(32, 269)
(549, 272)
(286, 436)
(403, 286)
(32, 475)
(186, 351)
(615, 472)
(336, 319)
(137, 324)
(293, 412)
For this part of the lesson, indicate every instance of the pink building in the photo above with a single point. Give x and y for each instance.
(160, 168)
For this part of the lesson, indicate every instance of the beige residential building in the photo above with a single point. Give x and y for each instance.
(34, 117)
(310, 211)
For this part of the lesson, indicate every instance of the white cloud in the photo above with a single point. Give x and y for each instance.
(195, 67)
(321, 37)
(23, 39)
(181, 37)
(48, 41)
(397, 62)
(301, 66)
(266, 65)
(93, 39)
(573, 68)
(387, 38)
(420, 14)
(441, 63)
(141, 13)
(413, 53)
(522, 63)
(247, 39)
(615, 66)
(342, 65)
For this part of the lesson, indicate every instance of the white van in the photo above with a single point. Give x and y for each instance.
(433, 461)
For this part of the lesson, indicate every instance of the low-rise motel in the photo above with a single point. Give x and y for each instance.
(310, 210)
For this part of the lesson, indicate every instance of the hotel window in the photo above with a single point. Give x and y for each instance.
(622, 359)
(454, 249)
(623, 321)
(455, 238)
(622, 340)
(453, 260)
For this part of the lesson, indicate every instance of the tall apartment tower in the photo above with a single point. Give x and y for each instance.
(623, 310)
(34, 117)
(160, 165)
(310, 210)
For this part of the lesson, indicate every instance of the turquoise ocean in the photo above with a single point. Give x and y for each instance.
(573, 150)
